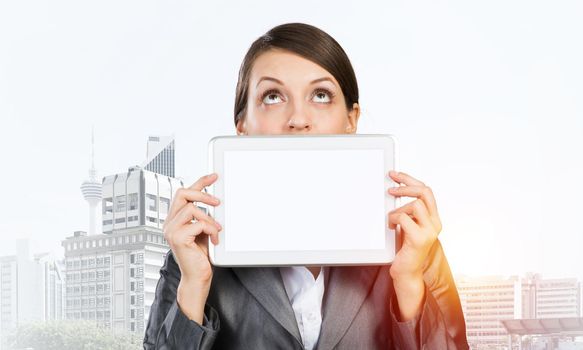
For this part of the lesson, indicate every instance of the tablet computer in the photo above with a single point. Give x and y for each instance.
(302, 199)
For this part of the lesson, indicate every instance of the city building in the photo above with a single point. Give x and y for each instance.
(493, 301)
(136, 198)
(31, 288)
(486, 301)
(558, 298)
(160, 155)
(111, 277)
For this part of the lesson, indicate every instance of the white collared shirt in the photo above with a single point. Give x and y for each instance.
(305, 295)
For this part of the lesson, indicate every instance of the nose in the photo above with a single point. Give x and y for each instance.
(299, 120)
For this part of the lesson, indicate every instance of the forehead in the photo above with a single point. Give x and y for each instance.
(288, 67)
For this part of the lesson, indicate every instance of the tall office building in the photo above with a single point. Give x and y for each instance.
(160, 155)
(487, 301)
(31, 288)
(111, 277)
(136, 198)
(556, 298)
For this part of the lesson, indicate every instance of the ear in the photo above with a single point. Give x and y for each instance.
(353, 116)
(241, 128)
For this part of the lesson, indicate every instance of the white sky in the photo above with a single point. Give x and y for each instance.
(486, 99)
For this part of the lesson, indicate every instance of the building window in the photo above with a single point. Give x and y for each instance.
(120, 203)
(151, 219)
(132, 218)
(151, 202)
(164, 205)
(132, 201)
(120, 220)
(107, 206)
(107, 222)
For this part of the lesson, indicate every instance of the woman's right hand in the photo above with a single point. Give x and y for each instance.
(189, 241)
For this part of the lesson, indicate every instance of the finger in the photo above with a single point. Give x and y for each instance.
(422, 192)
(190, 212)
(194, 235)
(202, 241)
(184, 195)
(407, 224)
(202, 230)
(403, 178)
(418, 210)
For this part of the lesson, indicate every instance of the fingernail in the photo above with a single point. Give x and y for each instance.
(394, 173)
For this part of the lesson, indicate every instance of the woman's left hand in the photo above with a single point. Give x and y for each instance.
(420, 226)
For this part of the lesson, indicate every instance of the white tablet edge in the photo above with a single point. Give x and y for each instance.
(211, 249)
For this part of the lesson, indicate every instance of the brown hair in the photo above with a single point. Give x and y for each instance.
(307, 41)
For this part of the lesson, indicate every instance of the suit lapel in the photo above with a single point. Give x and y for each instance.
(273, 298)
(345, 292)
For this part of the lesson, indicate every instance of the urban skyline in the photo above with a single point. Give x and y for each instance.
(110, 277)
(484, 98)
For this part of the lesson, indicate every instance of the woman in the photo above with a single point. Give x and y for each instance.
(296, 79)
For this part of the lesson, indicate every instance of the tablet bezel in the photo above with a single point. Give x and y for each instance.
(220, 257)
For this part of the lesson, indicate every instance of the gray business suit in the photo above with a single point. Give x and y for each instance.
(247, 308)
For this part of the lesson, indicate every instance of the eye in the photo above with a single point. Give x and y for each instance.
(322, 96)
(271, 97)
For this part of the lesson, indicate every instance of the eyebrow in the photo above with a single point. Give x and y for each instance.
(281, 82)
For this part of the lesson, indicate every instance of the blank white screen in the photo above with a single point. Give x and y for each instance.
(304, 200)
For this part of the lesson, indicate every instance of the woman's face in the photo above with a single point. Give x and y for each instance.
(289, 94)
